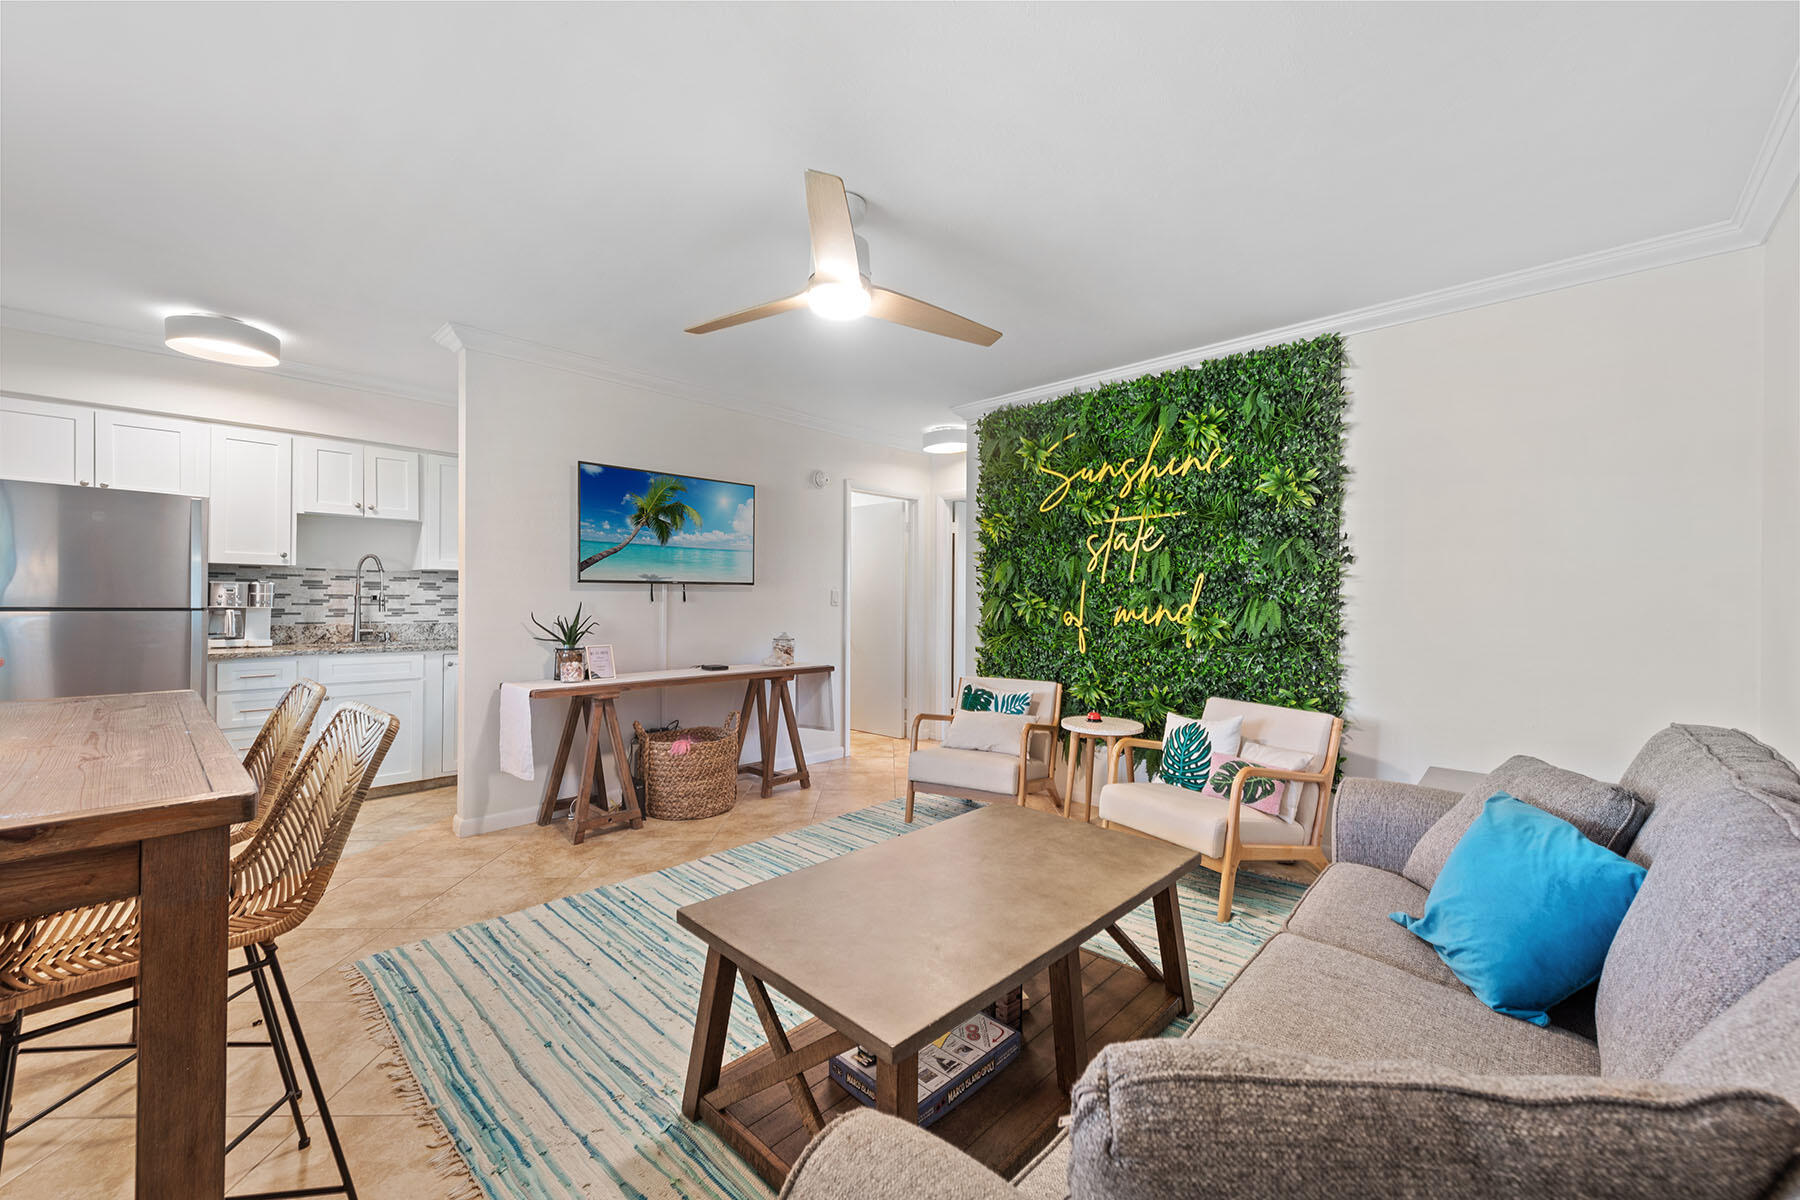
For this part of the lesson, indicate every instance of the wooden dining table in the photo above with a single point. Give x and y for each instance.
(107, 797)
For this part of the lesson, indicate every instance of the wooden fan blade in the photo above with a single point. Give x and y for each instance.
(797, 300)
(833, 239)
(916, 314)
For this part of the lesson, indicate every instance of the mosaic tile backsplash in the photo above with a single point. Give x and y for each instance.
(322, 595)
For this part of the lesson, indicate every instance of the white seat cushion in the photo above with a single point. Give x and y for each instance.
(975, 770)
(1191, 819)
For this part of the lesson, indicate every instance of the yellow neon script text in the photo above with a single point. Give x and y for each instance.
(1130, 472)
(1183, 615)
(1111, 538)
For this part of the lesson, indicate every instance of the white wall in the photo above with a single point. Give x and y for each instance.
(1781, 483)
(524, 427)
(1554, 506)
(59, 368)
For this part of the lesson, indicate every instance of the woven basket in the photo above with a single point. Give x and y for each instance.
(700, 783)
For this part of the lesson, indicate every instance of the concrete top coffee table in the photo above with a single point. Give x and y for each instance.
(893, 945)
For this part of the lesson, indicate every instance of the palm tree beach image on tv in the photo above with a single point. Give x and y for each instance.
(655, 527)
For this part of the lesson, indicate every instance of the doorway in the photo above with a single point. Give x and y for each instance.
(880, 582)
(955, 605)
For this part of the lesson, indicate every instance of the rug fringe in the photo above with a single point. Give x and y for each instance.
(448, 1163)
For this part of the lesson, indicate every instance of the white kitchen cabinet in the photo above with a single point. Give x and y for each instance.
(452, 741)
(392, 682)
(252, 510)
(405, 761)
(142, 452)
(349, 479)
(45, 442)
(390, 483)
(437, 540)
(328, 477)
(243, 691)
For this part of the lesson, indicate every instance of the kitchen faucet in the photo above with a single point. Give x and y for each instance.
(356, 629)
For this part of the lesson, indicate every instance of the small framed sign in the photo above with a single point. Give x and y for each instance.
(600, 662)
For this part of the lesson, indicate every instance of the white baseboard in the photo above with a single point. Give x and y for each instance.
(494, 822)
(463, 826)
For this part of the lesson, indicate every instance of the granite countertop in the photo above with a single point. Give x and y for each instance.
(300, 649)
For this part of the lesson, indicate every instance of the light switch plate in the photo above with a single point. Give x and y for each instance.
(834, 597)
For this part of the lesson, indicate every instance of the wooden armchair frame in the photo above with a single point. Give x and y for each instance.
(1236, 850)
(1026, 785)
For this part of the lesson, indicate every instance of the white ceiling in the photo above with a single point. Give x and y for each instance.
(1102, 183)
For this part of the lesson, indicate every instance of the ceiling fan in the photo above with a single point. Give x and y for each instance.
(839, 289)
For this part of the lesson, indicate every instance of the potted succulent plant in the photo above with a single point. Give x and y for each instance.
(565, 633)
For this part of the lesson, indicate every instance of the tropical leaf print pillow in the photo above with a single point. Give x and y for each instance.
(1256, 788)
(1187, 756)
(980, 699)
(1277, 797)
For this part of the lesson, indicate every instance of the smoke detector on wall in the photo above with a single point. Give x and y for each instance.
(819, 479)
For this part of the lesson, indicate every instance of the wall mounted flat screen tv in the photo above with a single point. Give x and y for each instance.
(710, 526)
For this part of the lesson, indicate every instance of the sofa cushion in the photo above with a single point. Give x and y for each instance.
(1178, 1119)
(974, 770)
(1348, 906)
(1716, 913)
(1754, 1043)
(1305, 996)
(1605, 812)
(1191, 819)
(1691, 768)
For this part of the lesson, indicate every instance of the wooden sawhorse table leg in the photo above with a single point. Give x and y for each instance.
(602, 721)
(773, 701)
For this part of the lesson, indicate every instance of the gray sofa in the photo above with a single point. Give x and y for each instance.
(1345, 1059)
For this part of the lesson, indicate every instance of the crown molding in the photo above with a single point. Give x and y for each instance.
(1774, 175)
(458, 337)
(27, 321)
(1776, 169)
(1719, 238)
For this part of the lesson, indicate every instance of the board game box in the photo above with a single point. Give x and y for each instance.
(951, 1069)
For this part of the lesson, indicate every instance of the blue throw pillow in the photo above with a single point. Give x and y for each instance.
(1525, 908)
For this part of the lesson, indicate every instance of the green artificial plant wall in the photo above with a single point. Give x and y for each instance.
(1154, 542)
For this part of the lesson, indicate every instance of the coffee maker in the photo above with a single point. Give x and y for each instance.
(239, 614)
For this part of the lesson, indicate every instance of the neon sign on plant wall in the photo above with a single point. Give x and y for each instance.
(1158, 540)
(1135, 534)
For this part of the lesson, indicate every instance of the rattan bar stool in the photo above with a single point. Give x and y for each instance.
(277, 879)
(277, 747)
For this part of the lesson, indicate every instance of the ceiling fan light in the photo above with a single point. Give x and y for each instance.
(221, 339)
(947, 439)
(837, 301)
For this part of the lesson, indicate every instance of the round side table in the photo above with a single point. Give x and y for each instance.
(1107, 729)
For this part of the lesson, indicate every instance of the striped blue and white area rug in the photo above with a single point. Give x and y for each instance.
(551, 1045)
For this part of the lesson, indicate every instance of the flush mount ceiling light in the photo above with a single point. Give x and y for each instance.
(947, 439)
(221, 339)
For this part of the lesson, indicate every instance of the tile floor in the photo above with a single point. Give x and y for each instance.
(404, 876)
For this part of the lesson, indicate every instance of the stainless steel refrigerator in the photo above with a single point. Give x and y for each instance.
(100, 591)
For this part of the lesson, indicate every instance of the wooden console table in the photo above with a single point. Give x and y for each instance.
(108, 797)
(768, 690)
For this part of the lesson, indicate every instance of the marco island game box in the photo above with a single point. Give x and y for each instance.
(951, 1069)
